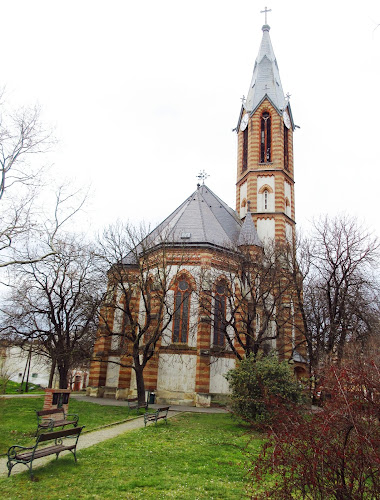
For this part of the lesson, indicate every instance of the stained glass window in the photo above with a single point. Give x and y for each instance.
(181, 312)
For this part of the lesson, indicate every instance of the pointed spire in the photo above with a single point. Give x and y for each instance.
(248, 235)
(266, 77)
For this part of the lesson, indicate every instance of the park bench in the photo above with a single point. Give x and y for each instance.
(133, 404)
(49, 419)
(157, 415)
(23, 455)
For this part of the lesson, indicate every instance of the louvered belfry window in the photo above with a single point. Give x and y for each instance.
(265, 136)
(181, 312)
(245, 149)
(286, 148)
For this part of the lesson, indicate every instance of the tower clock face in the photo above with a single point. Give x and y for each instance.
(244, 122)
(286, 117)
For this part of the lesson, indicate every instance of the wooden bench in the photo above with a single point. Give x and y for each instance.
(49, 419)
(22, 455)
(133, 403)
(157, 415)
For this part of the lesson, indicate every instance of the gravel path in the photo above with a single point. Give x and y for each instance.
(85, 440)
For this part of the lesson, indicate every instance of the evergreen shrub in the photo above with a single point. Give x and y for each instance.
(259, 384)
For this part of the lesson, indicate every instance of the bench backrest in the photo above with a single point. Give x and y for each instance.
(132, 400)
(49, 436)
(43, 413)
(166, 408)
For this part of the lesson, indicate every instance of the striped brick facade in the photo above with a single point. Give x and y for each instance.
(275, 168)
(193, 372)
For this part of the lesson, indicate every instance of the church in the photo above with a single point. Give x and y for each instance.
(199, 331)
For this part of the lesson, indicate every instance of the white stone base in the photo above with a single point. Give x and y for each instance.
(203, 400)
(95, 392)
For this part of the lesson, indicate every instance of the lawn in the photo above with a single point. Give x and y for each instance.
(18, 421)
(193, 456)
(15, 387)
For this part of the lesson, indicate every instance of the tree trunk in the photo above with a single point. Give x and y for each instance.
(63, 375)
(140, 383)
(52, 371)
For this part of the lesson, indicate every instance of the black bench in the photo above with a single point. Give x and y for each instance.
(133, 404)
(49, 419)
(157, 415)
(22, 455)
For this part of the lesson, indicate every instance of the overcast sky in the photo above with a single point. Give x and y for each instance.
(145, 94)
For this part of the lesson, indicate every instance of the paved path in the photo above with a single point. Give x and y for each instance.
(120, 402)
(97, 436)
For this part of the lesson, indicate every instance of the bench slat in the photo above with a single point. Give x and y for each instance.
(44, 452)
(48, 436)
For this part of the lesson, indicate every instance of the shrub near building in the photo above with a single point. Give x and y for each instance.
(258, 384)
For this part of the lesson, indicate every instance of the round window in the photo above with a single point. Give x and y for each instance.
(183, 285)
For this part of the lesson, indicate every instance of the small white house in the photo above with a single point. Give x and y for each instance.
(13, 361)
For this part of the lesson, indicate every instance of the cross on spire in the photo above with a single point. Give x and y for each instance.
(202, 176)
(265, 11)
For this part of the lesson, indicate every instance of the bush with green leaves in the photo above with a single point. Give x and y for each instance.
(258, 384)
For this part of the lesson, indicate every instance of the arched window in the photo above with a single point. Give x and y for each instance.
(265, 195)
(220, 316)
(265, 144)
(245, 149)
(287, 207)
(181, 312)
(286, 148)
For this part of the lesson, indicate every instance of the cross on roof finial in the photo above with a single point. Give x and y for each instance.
(249, 205)
(202, 176)
(265, 11)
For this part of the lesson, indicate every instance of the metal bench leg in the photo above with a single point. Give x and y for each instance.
(10, 467)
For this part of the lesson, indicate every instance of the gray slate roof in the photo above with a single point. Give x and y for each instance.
(203, 219)
(266, 77)
(248, 234)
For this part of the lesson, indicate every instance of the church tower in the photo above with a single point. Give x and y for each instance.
(265, 175)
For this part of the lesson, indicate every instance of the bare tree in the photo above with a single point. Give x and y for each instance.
(251, 305)
(28, 232)
(139, 306)
(340, 299)
(53, 305)
(21, 135)
(24, 222)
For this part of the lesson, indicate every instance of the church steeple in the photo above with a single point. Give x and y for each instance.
(265, 176)
(266, 80)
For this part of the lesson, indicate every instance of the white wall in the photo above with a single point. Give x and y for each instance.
(218, 368)
(266, 229)
(288, 194)
(176, 372)
(13, 366)
(243, 196)
(289, 233)
(112, 379)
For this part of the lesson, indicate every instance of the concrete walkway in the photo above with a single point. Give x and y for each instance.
(120, 402)
(89, 439)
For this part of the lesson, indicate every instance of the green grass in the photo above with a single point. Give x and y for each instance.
(15, 387)
(193, 456)
(18, 421)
